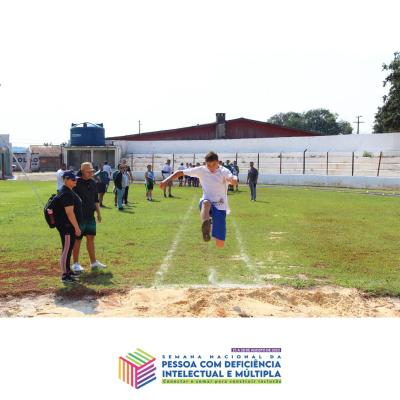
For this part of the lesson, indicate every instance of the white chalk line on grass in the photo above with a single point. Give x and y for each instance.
(165, 265)
(212, 276)
(245, 257)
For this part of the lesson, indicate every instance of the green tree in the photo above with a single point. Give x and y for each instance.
(290, 119)
(387, 119)
(318, 120)
(345, 127)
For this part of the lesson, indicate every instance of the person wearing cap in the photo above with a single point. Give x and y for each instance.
(86, 189)
(68, 216)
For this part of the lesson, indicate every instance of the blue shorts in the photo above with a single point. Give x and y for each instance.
(218, 222)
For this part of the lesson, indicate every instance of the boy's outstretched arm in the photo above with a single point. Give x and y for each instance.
(175, 175)
(232, 180)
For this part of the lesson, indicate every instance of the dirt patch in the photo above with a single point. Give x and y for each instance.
(23, 278)
(280, 301)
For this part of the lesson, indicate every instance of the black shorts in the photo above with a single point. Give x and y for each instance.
(88, 227)
(101, 187)
(149, 185)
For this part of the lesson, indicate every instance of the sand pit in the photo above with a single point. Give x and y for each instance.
(247, 302)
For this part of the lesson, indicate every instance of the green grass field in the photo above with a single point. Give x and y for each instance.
(293, 236)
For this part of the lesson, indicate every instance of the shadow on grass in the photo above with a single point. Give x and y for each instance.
(81, 298)
(173, 197)
(97, 278)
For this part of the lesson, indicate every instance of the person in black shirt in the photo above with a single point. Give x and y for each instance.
(235, 171)
(86, 189)
(252, 177)
(68, 215)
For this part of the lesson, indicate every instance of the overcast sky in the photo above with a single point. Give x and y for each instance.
(177, 63)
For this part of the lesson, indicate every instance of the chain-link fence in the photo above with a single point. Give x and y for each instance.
(384, 164)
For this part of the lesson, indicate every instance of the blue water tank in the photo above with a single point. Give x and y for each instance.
(87, 134)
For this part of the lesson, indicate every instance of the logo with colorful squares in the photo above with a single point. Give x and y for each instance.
(137, 369)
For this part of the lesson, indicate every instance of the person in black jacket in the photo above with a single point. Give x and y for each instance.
(120, 187)
(68, 215)
(127, 170)
(86, 189)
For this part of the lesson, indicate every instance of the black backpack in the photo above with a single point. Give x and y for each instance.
(50, 210)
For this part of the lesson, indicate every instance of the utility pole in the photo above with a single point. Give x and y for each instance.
(140, 125)
(358, 122)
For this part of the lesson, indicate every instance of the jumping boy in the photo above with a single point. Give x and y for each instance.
(214, 180)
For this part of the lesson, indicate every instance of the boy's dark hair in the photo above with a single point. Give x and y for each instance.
(211, 156)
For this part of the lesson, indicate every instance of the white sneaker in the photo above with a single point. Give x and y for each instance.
(77, 268)
(98, 265)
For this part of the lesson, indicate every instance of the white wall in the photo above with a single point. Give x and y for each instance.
(364, 182)
(341, 143)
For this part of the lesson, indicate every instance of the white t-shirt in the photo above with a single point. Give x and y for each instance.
(108, 169)
(181, 168)
(167, 169)
(214, 185)
(60, 182)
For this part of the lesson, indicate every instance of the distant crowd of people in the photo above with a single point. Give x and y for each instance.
(81, 197)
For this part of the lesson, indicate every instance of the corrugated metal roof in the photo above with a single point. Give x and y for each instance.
(205, 130)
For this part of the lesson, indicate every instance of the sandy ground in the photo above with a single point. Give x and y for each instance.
(324, 301)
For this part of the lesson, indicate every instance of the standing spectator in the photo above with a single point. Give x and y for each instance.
(108, 169)
(149, 182)
(101, 177)
(181, 168)
(86, 189)
(196, 181)
(166, 172)
(235, 172)
(228, 166)
(68, 215)
(252, 177)
(59, 175)
(114, 175)
(126, 179)
(127, 169)
(186, 178)
(121, 181)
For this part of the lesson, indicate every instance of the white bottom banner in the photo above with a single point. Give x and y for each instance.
(199, 358)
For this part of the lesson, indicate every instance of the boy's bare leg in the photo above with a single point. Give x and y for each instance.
(205, 219)
(205, 210)
(219, 243)
(90, 248)
(76, 249)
